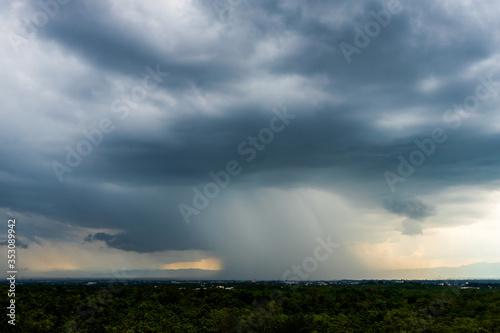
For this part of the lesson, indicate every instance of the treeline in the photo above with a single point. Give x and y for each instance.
(406, 307)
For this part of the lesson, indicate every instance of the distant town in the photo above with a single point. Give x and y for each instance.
(231, 284)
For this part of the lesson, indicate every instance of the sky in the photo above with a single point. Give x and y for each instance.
(237, 139)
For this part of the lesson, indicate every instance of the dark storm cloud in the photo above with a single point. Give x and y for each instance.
(136, 212)
(110, 43)
(316, 139)
(134, 180)
(100, 236)
(409, 207)
(413, 209)
(124, 241)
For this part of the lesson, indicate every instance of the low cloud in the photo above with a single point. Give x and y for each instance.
(413, 209)
(409, 207)
(412, 227)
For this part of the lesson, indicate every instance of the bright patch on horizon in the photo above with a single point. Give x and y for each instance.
(210, 264)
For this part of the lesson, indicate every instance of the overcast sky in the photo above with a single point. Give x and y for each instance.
(235, 138)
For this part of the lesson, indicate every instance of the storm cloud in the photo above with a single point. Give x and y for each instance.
(98, 149)
(409, 207)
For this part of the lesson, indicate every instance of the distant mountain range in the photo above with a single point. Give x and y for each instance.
(179, 274)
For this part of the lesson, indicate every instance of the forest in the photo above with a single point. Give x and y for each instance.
(253, 307)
